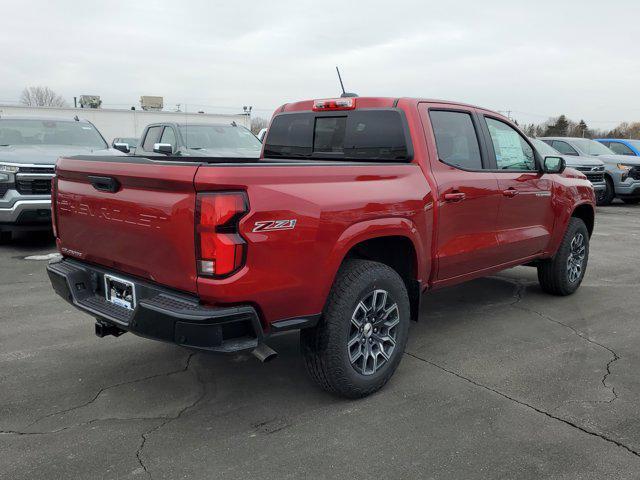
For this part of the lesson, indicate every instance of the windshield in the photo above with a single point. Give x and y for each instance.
(49, 132)
(543, 148)
(214, 137)
(635, 143)
(591, 147)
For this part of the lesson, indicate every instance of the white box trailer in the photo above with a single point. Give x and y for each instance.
(114, 123)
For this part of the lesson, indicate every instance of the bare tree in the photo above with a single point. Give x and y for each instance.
(257, 124)
(41, 97)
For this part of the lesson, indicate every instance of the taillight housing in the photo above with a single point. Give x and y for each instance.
(328, 104)
(54, 219)
(220, 249)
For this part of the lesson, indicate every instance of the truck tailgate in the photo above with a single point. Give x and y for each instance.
(130, 214)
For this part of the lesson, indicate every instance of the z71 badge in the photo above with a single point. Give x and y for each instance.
(271, 225)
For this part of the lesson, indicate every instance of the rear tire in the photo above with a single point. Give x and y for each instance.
(563, 274)
(5, 237)
(607, 196)
(359, 342)
(631, 201)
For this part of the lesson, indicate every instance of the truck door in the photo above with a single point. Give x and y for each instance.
(467, 192)
(526, 219)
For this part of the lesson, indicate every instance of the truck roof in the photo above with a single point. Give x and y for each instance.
(42, 118)
(374, 102)
(191, 124)
(564, 138)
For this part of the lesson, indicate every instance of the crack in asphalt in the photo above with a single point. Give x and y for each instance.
(82, 424)
(97, 395)
(168, 420)
(519, 294)
(165, 419)
(527, 405)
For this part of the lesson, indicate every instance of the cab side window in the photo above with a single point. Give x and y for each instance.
(456, 139)
(169, 136)
(564, 148)
(151, 138)
(511, 150)
(621, 149)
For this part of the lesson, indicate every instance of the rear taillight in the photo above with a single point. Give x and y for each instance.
(54, 219)
(221, 250)
(348, 103)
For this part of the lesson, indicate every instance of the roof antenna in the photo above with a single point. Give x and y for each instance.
(344, 94)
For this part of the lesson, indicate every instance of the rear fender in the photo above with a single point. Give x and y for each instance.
(370, 229)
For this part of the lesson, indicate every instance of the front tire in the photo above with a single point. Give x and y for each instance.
(631, 201)
(5, 237)
(359, 342)
(606, 197)
(563, 274)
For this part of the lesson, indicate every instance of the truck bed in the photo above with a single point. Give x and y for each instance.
(146, 227)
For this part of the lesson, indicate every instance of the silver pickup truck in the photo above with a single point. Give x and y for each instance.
(29, 148)
(592, 168)
(622, 172)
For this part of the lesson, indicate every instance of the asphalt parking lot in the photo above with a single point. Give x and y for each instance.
(499, 381)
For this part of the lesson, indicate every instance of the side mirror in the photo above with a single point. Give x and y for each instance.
(554, 165)
(123, 147)
(163, 148)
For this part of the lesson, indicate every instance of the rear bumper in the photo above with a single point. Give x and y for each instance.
(160, 314)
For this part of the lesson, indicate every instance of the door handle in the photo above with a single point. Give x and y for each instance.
(104, 184)
(454, 196)
(510, 192)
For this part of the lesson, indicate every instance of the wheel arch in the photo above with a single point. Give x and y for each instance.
(394, 242)
(608, 177)
(586, 213)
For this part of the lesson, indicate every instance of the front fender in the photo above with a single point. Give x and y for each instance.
(564, 212)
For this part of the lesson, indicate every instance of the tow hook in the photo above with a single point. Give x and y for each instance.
(264, 353)
(103, 329)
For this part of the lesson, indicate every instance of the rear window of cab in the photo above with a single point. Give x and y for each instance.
(368, 135)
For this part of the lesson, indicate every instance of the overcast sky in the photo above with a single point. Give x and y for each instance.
(535, 58)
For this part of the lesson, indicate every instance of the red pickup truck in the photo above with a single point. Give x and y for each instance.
(356, 207)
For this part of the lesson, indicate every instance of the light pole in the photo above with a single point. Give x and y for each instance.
(247, 111)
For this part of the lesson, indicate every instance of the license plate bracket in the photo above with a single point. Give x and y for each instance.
(119, 291)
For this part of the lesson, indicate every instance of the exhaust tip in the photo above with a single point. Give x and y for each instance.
(264, 353)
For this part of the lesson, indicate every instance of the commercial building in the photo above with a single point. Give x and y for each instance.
(123, 123)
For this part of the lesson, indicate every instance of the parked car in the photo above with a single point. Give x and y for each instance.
(622, 172)
(29, 147)
(358, 206)
(199, 140)
(620, 146)
(125, 144)
(592, 168)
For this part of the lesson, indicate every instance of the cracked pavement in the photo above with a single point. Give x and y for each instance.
(499, 381)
